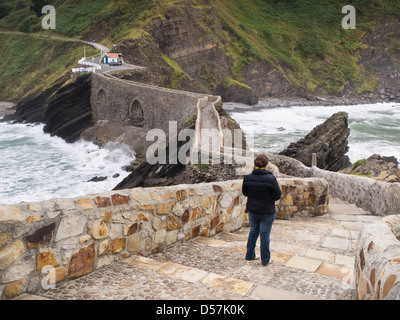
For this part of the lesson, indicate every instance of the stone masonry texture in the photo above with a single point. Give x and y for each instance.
(63, 239)
(378, 260)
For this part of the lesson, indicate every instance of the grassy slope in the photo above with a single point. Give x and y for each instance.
(304, 39)
(31, 63)
(301, 38)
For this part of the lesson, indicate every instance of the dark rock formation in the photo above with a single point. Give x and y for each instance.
(237, 93)
(203, 64)
(97, 179)
(31, 108)
(69, 113)
(64, 109)
(376, 167)
(328, 141)
(148, 175)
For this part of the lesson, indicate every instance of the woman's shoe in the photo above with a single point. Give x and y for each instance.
(255, 258)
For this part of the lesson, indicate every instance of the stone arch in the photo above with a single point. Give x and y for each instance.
(135, 114)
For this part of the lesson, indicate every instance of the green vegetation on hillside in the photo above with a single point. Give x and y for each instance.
(304, 39)
(32, 63)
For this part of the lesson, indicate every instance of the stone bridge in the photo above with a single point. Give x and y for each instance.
(139, 107)
(129, 103)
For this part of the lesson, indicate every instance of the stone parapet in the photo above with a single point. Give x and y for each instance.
(378, 197)
(43, 244)
(377, 263)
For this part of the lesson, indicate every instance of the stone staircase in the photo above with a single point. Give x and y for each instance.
(312, 258)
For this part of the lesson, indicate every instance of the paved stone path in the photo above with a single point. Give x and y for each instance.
(312, 258)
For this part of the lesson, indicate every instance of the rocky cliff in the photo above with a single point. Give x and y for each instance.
(211, 46)
(328, 141)
(64, 109)
(187, 50)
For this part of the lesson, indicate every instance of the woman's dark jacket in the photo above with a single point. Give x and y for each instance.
(262, 190)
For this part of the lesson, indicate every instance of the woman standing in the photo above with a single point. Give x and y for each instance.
(262, 190)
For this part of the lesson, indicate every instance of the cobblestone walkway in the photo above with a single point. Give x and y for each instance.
(312, 258)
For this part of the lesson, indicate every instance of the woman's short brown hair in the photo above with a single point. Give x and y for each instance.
(261, 161)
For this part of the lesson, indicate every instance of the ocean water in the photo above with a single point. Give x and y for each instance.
(35, 166)
(374, 128)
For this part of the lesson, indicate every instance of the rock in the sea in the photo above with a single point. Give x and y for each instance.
(376, 167)
(97, 179)
(328, 141)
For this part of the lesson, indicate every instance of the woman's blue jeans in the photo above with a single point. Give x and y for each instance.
(260, 225)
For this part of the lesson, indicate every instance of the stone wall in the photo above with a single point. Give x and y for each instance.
(44, 244)
(114, 100)
(378, 260)
(378, 197)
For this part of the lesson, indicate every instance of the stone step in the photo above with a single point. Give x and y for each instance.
(217, 281)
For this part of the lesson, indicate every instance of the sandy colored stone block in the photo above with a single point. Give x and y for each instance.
(99, 229)
(5, 238)
(172, 223)
(130, 229)
(10, 214)
(33, 218)
(61, 273)
(104, 247)
(227, 283)
(205, 202)
(318, 254)
(117, 245)
(169, 196)
(182, 272)
(14, 289)
(46, 258)
(84, 239)
(84, 204)
(304, 263)
(144, 262)
(159, 237)
(332, 270)
(65, 204)
(286, 200)
(336, 243)
(280, 256)
(181, 195)
(10, 253)
(55, 275)
(147, 207)
(136, 196)
(156, 223)
(133, 243)
(164, 208)
(142, 216)
(36, 207)
(171, 237)
(107, 216)
(71, 225)
(345, 260)
(389, 282)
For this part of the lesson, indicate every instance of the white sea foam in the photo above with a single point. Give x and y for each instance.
(374, 128)
(35, 166)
